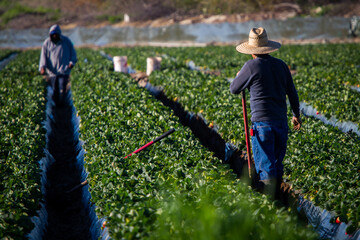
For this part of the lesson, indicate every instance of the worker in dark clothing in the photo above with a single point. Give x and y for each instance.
(269, 81)
(57, 58)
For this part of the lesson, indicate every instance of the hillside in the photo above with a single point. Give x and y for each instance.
(23, 14)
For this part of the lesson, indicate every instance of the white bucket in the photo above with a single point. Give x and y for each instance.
(152, 64)
(120, 64)
(126, 18)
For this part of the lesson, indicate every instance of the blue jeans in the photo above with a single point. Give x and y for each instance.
(269, 147)
(58, 83)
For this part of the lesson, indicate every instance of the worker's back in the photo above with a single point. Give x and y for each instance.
(269, 81)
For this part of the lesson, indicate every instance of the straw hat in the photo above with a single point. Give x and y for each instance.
(258, 43)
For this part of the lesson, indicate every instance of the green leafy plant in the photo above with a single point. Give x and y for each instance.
(22, 139)
(4, 53)
(133, 193)
(177, 184)
(315, 155)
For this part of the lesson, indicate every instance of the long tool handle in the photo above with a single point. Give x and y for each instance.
(248, 149)
(164, 135)
(78, 186)
(152, 142)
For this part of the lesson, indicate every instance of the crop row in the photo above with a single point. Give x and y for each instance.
(315, 156)
(325, 72)
(176, 188)
(324, 77)
(22, 138)
(155, 193)
(4, 53)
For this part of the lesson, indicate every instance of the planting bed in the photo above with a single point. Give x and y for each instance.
(325, 72)
(327, 150)
(176, 188)
(313, 162)
(144, 196)
(22, 138)
(6, 56)
(4, 53)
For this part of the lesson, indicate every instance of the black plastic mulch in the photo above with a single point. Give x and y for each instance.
(68, 213)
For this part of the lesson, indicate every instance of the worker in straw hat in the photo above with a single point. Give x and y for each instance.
(269, 81)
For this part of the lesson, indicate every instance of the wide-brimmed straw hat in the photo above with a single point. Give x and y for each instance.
(258, 43)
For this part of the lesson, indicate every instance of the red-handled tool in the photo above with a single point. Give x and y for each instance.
(136, 151)
(152, 142)
(248, 149)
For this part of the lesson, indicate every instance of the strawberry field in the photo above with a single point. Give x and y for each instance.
(321, 161)
(144, 195)
(177, 188)
(22, 138)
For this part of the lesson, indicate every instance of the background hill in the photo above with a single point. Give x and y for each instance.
(22, 14)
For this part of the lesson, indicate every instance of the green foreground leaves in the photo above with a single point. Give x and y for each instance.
(174, 189)
(22, 139)
(321, 160)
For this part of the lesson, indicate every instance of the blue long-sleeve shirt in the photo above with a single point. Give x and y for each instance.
(269, 81)
(55, 57)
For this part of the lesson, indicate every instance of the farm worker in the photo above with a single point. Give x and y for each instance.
(269, 81)
(57, 57)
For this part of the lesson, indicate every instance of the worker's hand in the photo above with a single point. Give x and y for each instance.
(42, 71)
(71, 65)
(297, 123)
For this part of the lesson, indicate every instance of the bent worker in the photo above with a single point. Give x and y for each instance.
(57, 58)
(269, 81)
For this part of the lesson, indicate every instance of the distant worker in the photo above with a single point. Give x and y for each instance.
(57, 58)
(354, 27)
(269, 81)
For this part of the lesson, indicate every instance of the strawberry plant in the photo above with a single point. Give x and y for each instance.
(210, 96)
(134, 193)
(325, 72)
(4, 53)
(177, 188)
(22, 139)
